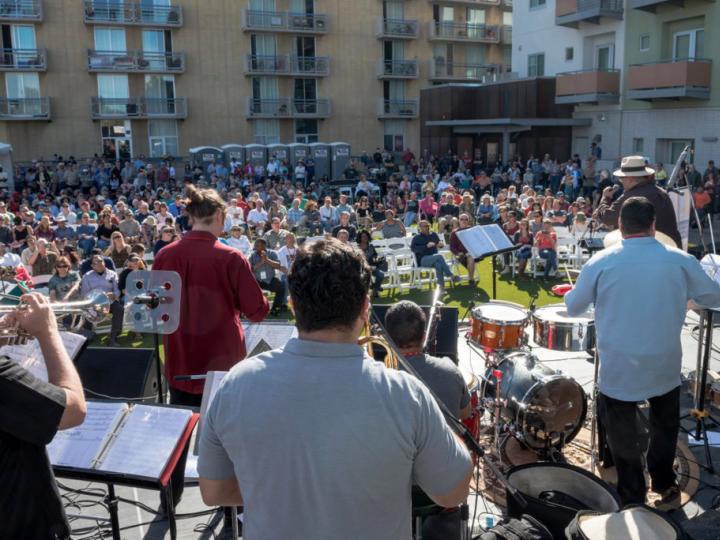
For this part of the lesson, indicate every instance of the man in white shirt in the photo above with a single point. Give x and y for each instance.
(235, 215)
(300, 172)
(258, 216)
(237, 240)
(286, 255)
(328, 215)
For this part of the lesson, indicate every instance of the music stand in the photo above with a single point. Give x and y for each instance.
(153, 307)
(483, 241)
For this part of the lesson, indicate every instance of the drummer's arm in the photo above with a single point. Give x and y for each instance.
(582, 295)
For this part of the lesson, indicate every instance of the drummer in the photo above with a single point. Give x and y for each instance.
(641, 290)
(405, 323)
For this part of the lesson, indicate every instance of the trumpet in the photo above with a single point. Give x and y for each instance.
(93, 310)
(368, 340)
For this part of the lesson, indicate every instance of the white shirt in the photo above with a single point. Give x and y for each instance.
(257, 216)
(300, 171)
(286, 256)
(241, 244)
(234, 217)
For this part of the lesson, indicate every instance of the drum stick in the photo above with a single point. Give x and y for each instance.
(567, 272)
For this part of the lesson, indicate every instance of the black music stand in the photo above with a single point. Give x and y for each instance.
(484, 241)
(699, 413)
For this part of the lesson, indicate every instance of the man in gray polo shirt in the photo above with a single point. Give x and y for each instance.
(317, 440)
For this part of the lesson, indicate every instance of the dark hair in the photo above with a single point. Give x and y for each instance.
(362, 233)
(405, 322)
(328, 284)
(636, 215)
(202, 204)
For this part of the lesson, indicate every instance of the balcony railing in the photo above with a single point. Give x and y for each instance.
(282, 21)
(295, 66)
(397, 29)
(588, 86)
(507, 34)
(396, 108)
(23, 60)
(109, 12)
(572, 12)
(651, 5)
(25, 108)
(21, 10)
(450, 71)
(288, 108)
(470, 2)
(670, 79)
(507, 4)
(138, 107)
(397, 69)
(139, 61)
(450, 31)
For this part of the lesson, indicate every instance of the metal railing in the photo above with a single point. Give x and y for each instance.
(25, 108)
(283, 21)
(21, 10)
(138, 107)
(603, 5)
(23, 59)
(471, 2)
(464, 31)
(440, 70)
(132, 13)
(288, 108)
(141, 61)
(308, 66)
(674, 60)
(404, 69)
(398, 28)
(398, 108)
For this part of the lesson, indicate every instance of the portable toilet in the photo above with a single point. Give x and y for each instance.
(280, 151)
(204, 155)
(339, 159)
(233, 152)
(256, 154)
(320, 152)
(296, 152)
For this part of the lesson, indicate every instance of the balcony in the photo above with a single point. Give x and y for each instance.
(293, 66)
(23, 60)
(588, 86)
(507, 34)
(397, 69)
(507, 5)
(466, 32)
(397, 29)
(21, 10)
(288, 108)
(571, 12)
(281, 21)
(470, 2)
(135, 61)
(138, 108)
(441, 71)
(25, 108)
(670, 79)
(133, 14)
(651, 5)
(397, 109)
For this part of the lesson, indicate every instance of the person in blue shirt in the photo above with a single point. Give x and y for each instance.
(425, 246)
(641, 291)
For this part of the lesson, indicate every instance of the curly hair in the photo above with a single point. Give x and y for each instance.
(328, 284)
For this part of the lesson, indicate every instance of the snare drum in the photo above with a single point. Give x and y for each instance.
(499, 325)
(473, 385)
(554, 329)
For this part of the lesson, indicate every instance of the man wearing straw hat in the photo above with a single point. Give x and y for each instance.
(638, 180)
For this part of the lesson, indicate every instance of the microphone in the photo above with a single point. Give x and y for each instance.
(675, 190)
(151, 300)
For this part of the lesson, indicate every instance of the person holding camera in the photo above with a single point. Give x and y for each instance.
(264, 263)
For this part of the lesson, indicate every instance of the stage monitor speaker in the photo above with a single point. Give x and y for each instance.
(447, 330)
(118, 374)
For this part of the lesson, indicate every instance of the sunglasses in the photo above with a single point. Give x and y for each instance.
(63, 266)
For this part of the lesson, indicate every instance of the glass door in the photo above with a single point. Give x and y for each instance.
(114, 94)
(475, 22)
(689, 45)
(305, 98)
(154, 47)
(23, 92)
(160, 94)
(605, 57)
(23, 46)
(116, 139)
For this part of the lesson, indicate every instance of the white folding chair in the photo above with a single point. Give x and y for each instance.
(403, 264)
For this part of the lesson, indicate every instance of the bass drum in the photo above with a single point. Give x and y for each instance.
(546, 407)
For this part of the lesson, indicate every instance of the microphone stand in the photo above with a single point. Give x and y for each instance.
(455, 423)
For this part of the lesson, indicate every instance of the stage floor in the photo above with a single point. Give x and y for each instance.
(137, 523)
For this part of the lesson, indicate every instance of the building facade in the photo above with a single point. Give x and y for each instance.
(640, 71)
(157, 77)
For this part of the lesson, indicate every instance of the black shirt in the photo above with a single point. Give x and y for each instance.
(350, 228)
(449, 210)
(30, 412)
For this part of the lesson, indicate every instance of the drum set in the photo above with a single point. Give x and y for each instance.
(542, 408)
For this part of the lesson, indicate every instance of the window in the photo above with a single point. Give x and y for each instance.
(23, 36)
(157, 43)
(163, 138)
(507, 18)
(23, 91)
(305, 96)
(638, 145)
(306, 131)
(116, 139)
(267, 131)
(394, 138)
(645, 42)
(534, 4)
(536, 65)
(689, 44)
(569, 53)
(114, 91)
(604, 57)
(110, 39)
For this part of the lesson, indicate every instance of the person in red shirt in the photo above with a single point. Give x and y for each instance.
(217, 287)
(460, 252)
(546, 242)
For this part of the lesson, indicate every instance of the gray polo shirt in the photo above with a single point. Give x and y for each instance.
(326, 442)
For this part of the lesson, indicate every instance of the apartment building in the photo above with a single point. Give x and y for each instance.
(155, 77)
(638, 71)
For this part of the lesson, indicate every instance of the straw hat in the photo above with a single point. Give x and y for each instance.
(633, 166)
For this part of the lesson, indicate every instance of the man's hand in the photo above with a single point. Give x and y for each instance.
(35, 315)
(431, 244)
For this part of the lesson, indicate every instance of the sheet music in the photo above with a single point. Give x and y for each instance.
(80, 446)
(275, 335)
(29, 355)
(145, 441)
(497, 237)
(483, 240)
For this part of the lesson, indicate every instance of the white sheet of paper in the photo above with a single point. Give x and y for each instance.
(713, 439)
(146, 439)
(275, 335)
(212, 384)
(30, 356)
(79, 446)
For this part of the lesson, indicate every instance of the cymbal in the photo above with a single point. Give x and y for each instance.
(615, 236)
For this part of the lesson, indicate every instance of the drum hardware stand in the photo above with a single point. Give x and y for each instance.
(594, 420)
(699, 414)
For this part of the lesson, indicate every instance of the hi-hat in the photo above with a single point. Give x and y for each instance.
(615, 236)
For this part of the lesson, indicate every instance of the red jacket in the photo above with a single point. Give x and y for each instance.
(217, 287)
